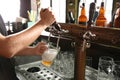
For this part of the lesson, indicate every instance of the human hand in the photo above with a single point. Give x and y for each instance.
(40, 48)
(47, 17)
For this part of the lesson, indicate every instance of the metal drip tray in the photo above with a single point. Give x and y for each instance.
(33, 69)
(36, 71)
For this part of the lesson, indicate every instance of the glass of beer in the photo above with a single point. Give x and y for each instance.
(49, 55)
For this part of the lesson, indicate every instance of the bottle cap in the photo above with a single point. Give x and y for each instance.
(102, 4)
(83, 4)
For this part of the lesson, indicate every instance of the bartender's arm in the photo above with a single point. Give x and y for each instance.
(33, 50)
(18, 43)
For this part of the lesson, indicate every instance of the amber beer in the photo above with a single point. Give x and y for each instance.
(49, 56)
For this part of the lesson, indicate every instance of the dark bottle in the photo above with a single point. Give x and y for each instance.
(101, 20)
(117, 19)
(82, 18)
(111, 23)
(70, 17)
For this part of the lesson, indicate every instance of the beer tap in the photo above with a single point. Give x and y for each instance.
(91, 14)
(87, 37)
(88, 34)
(81, 55)
(55, 29)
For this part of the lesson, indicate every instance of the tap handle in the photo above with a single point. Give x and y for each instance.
(91, 13)
(56, 26)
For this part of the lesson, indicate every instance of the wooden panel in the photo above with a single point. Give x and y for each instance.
(106, 36)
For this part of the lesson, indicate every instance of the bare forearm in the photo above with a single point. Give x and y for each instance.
(39, 49)
(26, 37)
(14, 43)
(26, 51)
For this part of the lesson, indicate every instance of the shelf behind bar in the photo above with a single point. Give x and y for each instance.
(105, 36)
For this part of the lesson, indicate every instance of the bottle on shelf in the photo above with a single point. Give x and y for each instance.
(101, 19)
(111, 23)
(117, 19)
(83, 18)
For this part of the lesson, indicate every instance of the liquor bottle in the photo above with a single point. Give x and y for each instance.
(82, 18)
(101, 19)
(117, 19)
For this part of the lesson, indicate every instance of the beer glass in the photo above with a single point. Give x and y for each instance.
(64, 64)
(116, 71)
(105, 68)
(50, 54)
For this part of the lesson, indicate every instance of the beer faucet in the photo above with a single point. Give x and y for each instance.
(87, 37)
(55, 29)
(81, 55)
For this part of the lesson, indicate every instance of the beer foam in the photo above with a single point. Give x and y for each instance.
(49, 55)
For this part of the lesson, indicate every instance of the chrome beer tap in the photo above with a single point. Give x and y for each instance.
(88, 36)
(56, 30)
(80, 59)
